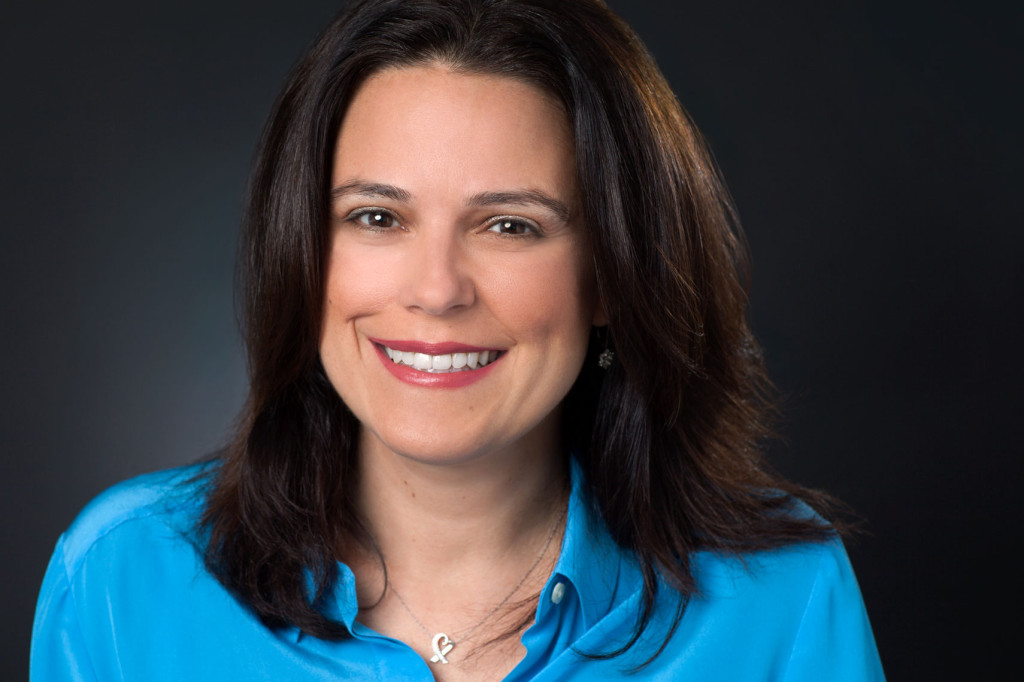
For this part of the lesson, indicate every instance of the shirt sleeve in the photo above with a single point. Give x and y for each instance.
(59, 652)
(834, 640)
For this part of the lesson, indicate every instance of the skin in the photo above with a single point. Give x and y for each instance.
(455, 219)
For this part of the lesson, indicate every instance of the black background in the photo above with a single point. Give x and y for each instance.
(873, 149)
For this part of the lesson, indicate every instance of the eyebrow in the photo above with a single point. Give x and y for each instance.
(527, 197)
(372, 189)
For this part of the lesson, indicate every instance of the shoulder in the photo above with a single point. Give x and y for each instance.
(126, 588)
(802, 611)
(789, 572)
(794, 569)
(170, 499)
(793, 613)
(798, 610)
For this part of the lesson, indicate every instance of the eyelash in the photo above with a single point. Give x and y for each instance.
(532, 229)
(355, 217)
(495, 225)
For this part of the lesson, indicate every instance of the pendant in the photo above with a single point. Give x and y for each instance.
(441, 645)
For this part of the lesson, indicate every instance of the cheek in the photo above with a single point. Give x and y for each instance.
(546, 299)
(356, 286)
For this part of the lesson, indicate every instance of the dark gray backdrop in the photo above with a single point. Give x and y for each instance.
(873, 149)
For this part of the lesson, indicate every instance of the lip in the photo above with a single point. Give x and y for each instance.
(415, 377)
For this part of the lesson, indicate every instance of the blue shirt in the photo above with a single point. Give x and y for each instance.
(126, 597)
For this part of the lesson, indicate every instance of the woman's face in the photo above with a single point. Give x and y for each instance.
(459, 291)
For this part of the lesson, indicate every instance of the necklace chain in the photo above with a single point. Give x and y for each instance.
(440, 642)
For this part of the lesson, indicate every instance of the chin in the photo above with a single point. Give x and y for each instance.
(460, 437)
(428, 448)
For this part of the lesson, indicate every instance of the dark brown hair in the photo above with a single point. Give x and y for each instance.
(668, 438)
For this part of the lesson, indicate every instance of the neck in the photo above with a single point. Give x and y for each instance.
(464, 544)
(440, 517)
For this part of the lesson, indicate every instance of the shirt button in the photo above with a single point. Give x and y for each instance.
(558, 593)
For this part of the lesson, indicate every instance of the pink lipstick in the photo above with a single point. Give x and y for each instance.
(436, 365)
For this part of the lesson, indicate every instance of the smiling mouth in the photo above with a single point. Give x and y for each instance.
(447, 363)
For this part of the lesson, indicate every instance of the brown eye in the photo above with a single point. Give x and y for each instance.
(513, 227)
(375, 219)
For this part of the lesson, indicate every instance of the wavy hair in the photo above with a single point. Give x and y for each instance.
(668, 438)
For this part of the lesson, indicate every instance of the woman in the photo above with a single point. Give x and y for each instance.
(504, 404)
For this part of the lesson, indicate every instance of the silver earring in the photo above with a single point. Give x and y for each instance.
(605, 359)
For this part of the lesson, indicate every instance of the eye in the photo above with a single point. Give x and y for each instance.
(514, 227)
(374, 218)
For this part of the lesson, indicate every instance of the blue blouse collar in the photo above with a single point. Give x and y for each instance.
(602, 574)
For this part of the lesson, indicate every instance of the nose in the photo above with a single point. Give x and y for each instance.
(436, 275)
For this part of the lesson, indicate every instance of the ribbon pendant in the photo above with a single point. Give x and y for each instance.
(441, 646)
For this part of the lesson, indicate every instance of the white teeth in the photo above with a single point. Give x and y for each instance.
(442, 364)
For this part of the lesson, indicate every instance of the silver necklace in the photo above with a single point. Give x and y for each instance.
(441, 643)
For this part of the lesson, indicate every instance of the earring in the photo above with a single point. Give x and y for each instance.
(602, 338)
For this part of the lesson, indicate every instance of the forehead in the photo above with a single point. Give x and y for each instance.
(476, 131)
